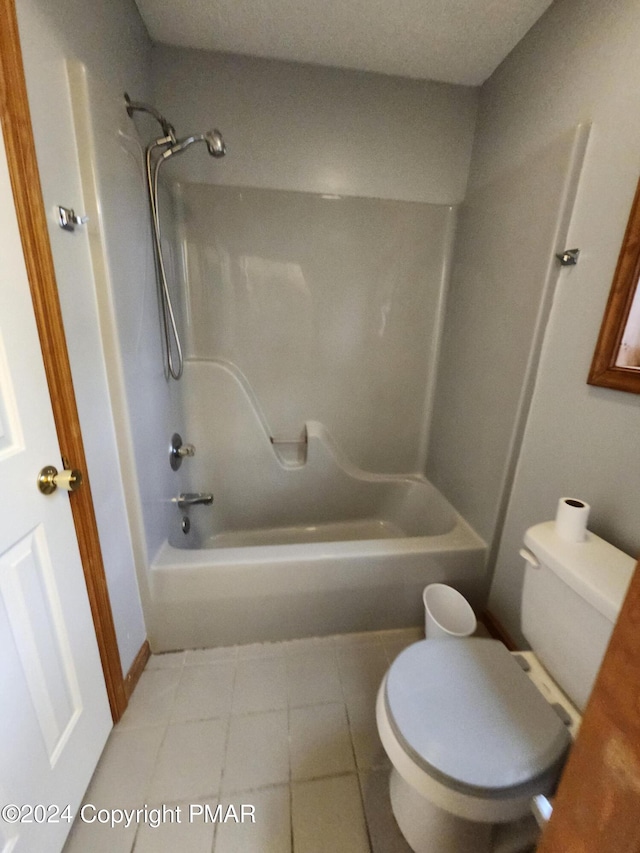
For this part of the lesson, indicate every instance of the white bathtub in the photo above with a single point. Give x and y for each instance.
(298, 550)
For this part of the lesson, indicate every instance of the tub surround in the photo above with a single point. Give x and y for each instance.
(331, 307)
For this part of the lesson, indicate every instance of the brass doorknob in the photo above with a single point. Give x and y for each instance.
(49, 479)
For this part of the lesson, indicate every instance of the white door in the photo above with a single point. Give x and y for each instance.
(54, 712)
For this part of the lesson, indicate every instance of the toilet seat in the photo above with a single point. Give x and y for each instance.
(461, 722)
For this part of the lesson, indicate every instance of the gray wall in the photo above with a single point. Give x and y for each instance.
(313, 129)
(579, 63)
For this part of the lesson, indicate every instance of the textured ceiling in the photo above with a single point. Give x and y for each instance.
(456, 41)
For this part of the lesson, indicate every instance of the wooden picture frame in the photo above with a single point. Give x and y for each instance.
(616, 360)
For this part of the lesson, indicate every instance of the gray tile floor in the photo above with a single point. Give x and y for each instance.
(287, 728)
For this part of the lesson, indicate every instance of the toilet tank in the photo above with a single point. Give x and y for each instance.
(570, 603)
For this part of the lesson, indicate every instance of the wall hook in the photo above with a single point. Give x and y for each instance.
(568, 258)
(68, 218)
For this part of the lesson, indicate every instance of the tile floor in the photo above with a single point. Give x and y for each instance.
(288, 728)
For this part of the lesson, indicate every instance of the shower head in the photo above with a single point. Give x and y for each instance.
(213, 138)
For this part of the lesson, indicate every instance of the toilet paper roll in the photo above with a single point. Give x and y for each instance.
(571, 519)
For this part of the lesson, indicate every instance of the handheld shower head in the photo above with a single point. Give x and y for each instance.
(213, 138)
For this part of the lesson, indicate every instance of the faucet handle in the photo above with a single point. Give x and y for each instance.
(178, 450)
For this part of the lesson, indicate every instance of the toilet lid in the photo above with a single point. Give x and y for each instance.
(469, 716)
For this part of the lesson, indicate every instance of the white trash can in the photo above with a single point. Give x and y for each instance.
(447, 613)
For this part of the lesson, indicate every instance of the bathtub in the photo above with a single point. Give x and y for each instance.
(300, 542)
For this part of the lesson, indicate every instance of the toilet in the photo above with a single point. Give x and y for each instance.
(473, 731)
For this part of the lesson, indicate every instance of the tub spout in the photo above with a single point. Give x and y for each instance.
(192, 499)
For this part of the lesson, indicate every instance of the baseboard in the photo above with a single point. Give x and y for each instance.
(136, 668)
(497, 630)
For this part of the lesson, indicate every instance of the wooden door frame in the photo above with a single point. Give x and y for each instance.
(25, 181)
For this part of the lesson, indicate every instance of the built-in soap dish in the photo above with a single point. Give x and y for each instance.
(291, 452)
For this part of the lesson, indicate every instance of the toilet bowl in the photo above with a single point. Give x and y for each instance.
(471, 741)
(470, 736)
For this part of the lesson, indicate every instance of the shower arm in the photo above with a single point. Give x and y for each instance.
(139, 107)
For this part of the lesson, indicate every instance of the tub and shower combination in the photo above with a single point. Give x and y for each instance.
(312, 328)
(298, 541)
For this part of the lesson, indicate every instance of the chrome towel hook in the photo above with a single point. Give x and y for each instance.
(568, 258)
(68, 218)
